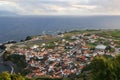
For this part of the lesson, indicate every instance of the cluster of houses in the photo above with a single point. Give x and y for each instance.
(66, 59)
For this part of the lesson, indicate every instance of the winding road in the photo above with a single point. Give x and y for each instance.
(8, 63)
(1, 56)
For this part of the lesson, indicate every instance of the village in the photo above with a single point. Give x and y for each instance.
(65, 57)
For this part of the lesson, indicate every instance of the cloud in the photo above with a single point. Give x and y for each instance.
(60, 7)
(11, 7)
(106, 6)
(84, 6)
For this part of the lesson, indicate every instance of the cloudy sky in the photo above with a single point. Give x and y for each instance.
(59, 7)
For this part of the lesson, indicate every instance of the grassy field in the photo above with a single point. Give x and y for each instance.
(109, 34)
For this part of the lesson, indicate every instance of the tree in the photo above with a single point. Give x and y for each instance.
(8, 76)
(28, 38)
(5, 76)
(104, 68)
(17, 77)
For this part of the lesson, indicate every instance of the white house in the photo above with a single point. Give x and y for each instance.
(34, 46)
(100, 47)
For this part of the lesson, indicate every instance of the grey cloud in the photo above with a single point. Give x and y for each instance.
(66, 6)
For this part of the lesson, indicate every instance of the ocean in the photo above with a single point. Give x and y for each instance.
(18, 27)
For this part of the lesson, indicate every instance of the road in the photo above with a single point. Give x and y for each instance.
(1, 56)
(8, 62)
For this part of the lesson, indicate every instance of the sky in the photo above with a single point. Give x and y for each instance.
(59, 7)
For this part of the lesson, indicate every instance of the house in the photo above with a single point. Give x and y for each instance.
(100, 47)
(117, 50)
(34, 46)
(85, 48)
(112, 45)
(74, 38)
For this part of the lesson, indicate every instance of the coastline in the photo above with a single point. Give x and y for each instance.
(56, 33)
(19, 29)
(78, 44)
